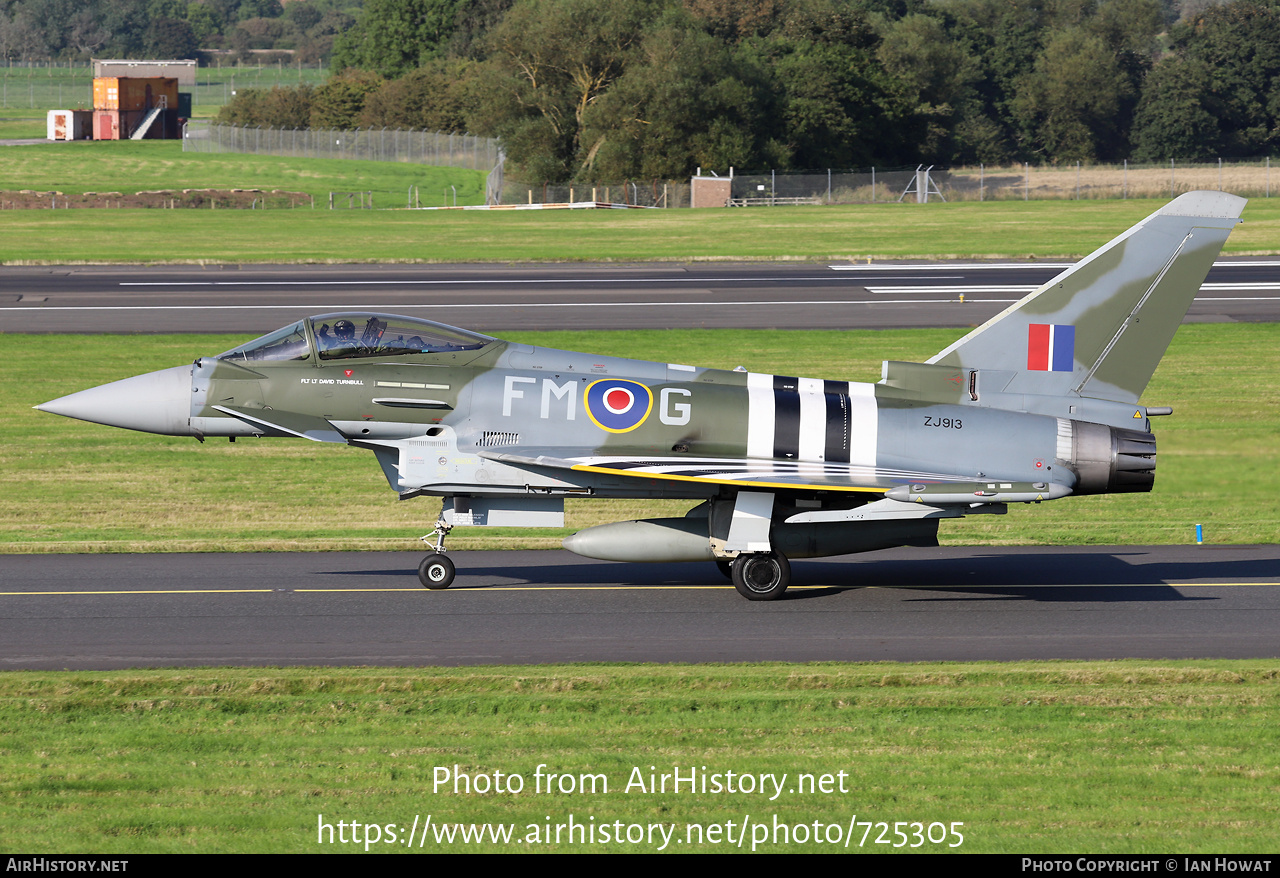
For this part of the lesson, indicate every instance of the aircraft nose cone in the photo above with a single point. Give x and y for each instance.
(158, 402)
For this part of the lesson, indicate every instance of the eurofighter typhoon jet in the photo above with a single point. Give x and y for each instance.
(1039, 403)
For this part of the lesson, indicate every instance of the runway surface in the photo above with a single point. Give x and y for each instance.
(111, 611)
(493, 299)
(117, 611)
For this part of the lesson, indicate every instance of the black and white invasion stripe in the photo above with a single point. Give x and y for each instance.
(809, 419)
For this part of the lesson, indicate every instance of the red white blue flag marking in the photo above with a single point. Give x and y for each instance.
(1051, 347)
(618, 406)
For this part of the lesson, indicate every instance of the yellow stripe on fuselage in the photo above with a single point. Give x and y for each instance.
(637, 474)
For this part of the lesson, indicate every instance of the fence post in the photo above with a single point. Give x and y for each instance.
(1026, 180)
(1124, 187)
(873, 184)
(1170, 178)
(982, 182)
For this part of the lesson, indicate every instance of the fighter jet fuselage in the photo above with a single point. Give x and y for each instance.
(1040, 403)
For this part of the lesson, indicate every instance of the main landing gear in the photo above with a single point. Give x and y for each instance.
(757, 576)
(760, 576)
(436, 570)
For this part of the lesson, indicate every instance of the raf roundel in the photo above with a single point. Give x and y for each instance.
(618, 406)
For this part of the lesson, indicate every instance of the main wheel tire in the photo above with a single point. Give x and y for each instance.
(725, 567)
(761, 577)
(436, 571)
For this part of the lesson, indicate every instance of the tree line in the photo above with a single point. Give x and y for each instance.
(616, 89)
(76, 30)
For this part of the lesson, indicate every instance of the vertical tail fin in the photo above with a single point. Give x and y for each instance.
(1099, 329)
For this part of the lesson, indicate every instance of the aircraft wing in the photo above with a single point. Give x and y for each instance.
(743, 472)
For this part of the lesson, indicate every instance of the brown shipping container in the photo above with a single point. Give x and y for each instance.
(135, 93)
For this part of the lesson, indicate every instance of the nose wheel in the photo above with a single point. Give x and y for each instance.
(436, 570)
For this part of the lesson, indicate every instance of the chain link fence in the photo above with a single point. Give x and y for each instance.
(45, 85)
(55, 85)
(636, 193)
(829, 187)
(370, 144)
(215, 86)
(1251, 178)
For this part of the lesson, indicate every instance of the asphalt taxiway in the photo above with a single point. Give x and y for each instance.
(109, 611)
(494, 298)
(1006, 603)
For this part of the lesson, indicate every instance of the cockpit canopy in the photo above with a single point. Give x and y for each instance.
(343, 336)
(289, 343)
(350, 335)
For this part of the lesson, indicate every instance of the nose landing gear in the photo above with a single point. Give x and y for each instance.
(436, 570)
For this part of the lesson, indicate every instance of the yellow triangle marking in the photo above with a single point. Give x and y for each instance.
(1138, 414)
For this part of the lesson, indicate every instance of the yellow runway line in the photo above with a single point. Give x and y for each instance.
(498, 588)
(155, 591)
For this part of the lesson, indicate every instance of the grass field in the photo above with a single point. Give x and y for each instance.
(73, 487)
(1004, 229)
(132, 166)
(1079, 757)
(1114, 757)
(22, 124)
(992, 230)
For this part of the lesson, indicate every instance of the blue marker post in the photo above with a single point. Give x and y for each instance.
(1199, 535)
